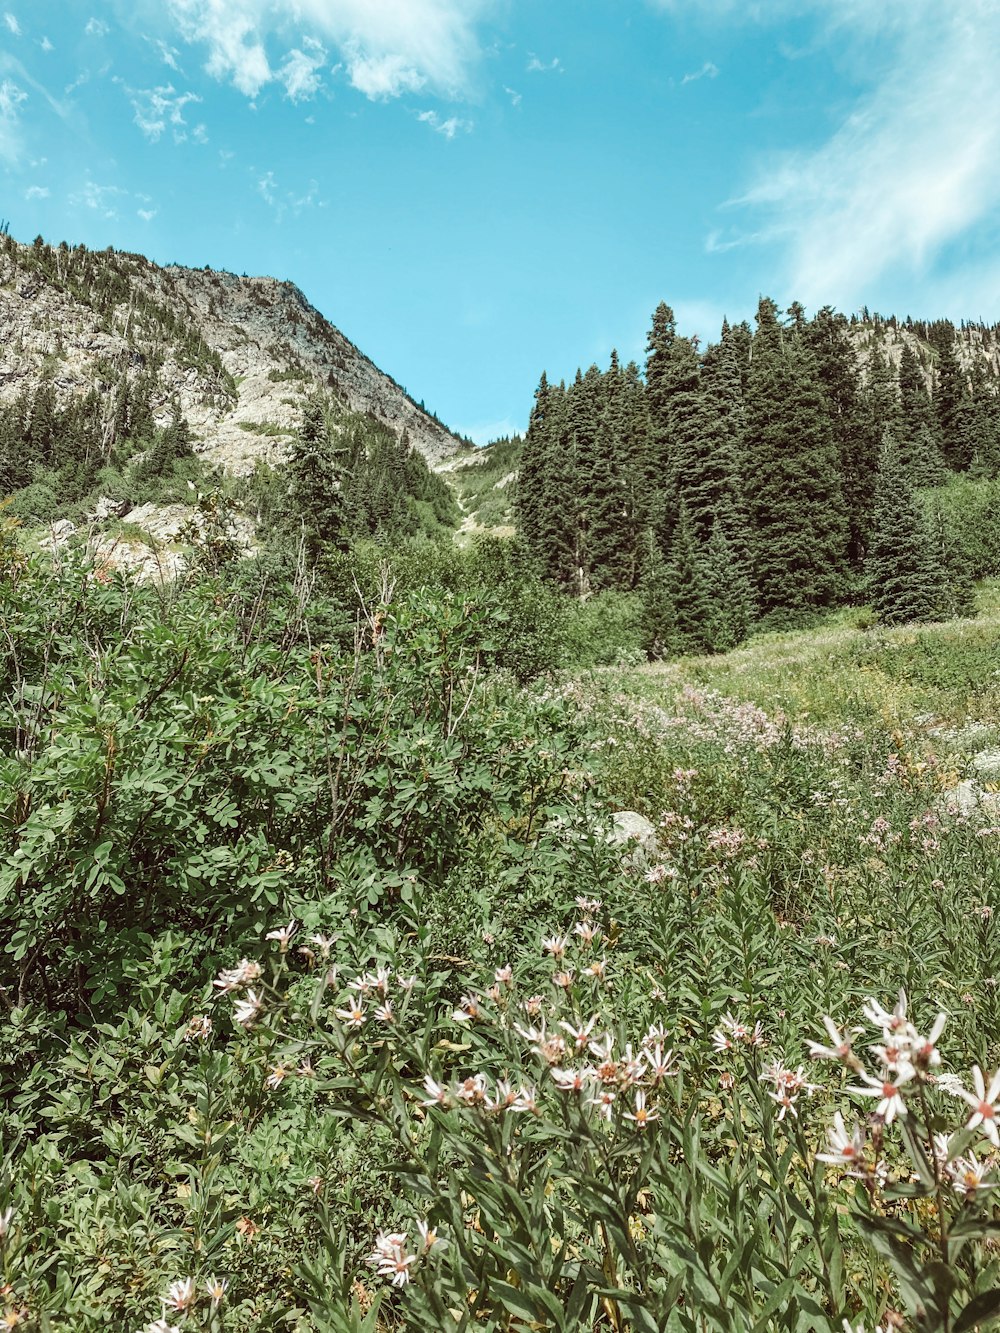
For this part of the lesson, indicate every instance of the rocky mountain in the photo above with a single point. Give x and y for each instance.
(240, 355)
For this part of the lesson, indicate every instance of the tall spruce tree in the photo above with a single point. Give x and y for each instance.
(730, 595)
(854, 434)
(905, 580)
(794, 479)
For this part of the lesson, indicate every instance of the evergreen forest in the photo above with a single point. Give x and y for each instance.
(779, 473)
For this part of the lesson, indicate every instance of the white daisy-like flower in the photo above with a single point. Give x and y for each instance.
(923, 1050)
(968, 1175)
(984, 1105)
(182, 1294)
(845, 1149)
(430, 1237)
(642, 1116)
(247, 1011)
(389, 1258)
(283, 934)
(882, 1018)
(891, 1102)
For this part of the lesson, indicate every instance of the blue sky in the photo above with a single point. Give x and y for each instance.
(477, 190)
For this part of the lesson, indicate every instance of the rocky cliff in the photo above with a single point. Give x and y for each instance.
(241, 355)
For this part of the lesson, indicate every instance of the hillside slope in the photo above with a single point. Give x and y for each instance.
(240, 354)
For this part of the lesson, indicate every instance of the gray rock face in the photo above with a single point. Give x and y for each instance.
(277, 348)
(635, 835)
(59, 534)
(968, 798)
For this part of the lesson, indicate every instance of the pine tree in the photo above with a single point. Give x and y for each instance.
(315, 478)
(793, 479)
(951, 406)
(692, 607)
(905, 579)
(730, 595)
(658, 620)
(851, 425)
(957, 589)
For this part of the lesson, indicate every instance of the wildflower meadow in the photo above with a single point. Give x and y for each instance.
(331, 1002)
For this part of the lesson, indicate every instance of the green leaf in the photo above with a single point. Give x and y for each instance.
(982, 1309)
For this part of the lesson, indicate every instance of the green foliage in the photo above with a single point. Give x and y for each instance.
(970, 510)
(906, 578)
(605, 630)
(425, 846)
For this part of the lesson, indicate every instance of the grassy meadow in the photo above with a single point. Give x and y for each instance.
(330, 1003)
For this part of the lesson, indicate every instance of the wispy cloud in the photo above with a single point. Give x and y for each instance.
(157, 108)
(12, 24)
(913, 166)
(46, 45)
(536, 66)
(390, 47)
(300, 72)
(96, 28)
(147, 214)
(37, 192)
(515, 97)
(100, 198)
(707, 71)
(283, 201)
(449, 128)
(12, 99)
(169, 55)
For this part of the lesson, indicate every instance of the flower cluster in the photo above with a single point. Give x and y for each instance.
(732, 1033)
(391, 1257)
(905, 1061)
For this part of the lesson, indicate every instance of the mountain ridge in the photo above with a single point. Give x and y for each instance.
(241, 355)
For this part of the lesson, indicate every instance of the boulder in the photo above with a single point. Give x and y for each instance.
(636, 835)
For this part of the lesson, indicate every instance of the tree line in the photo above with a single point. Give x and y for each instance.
(764, 479)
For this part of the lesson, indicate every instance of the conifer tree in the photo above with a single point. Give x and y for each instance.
(793, 479)
(951, 406)
(851, 425)
(658, 620)
(730, 595)
(904, 577)
(315, 479)
(692, 607)
(957, 588)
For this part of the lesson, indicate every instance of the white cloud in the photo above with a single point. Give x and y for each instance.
(449, 128)
(46, 45)
(536, 66)
(200, 134)
(707, 71)
(100, 198)
(169, 54)
(12, 24)
(147, 214)
(96, 28)
(287, 201)
(300, 72)
(156, 108)
(381, 77)
(515, 97)
(914, 164)
(390, 47)
(11, 99)
(37, 192)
